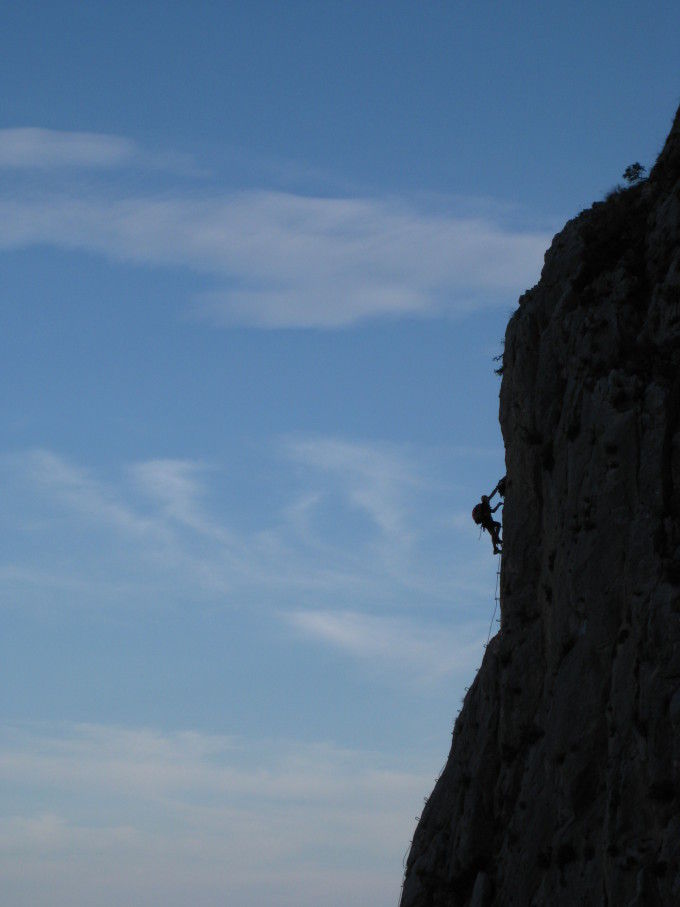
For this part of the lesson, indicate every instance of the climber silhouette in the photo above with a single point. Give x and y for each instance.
(482, 515)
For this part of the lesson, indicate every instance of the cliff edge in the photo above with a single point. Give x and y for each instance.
(562, 786)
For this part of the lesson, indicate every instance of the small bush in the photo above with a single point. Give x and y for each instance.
(634, 173)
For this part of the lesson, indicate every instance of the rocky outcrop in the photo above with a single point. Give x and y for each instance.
(563, 782)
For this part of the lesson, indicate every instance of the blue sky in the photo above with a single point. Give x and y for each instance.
(256, 262)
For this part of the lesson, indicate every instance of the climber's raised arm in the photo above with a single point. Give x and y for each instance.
(499, 489)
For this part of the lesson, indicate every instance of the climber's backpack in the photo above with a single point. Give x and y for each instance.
(478, 513)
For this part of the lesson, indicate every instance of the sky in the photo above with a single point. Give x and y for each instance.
(256, 261)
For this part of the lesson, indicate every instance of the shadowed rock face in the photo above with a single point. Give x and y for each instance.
(563, 782)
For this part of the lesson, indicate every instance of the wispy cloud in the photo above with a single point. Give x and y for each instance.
(348, 521)
(271, 259)
(53, 153)
(34, 148)
(176, 486)
(152, 521)
(77, 490)
(261, 822)
(377, 480)
(416, 647)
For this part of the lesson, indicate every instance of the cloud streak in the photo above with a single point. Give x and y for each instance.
(293, 261)
(376, 481)
(363, 523)
(415, 647)
(256, 822)
(268, 259)
(33, 148)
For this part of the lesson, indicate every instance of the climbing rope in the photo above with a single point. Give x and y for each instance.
(496, 600)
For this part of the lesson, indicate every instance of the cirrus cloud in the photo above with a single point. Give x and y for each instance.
(262, 258)
(429, 652)
(120, 815)
(33, 148)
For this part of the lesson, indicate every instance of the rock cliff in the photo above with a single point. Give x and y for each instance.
(563, 782)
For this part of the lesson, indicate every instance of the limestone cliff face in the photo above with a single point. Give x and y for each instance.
(563, 782)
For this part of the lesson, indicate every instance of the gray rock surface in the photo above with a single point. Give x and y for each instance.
(563, 782)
